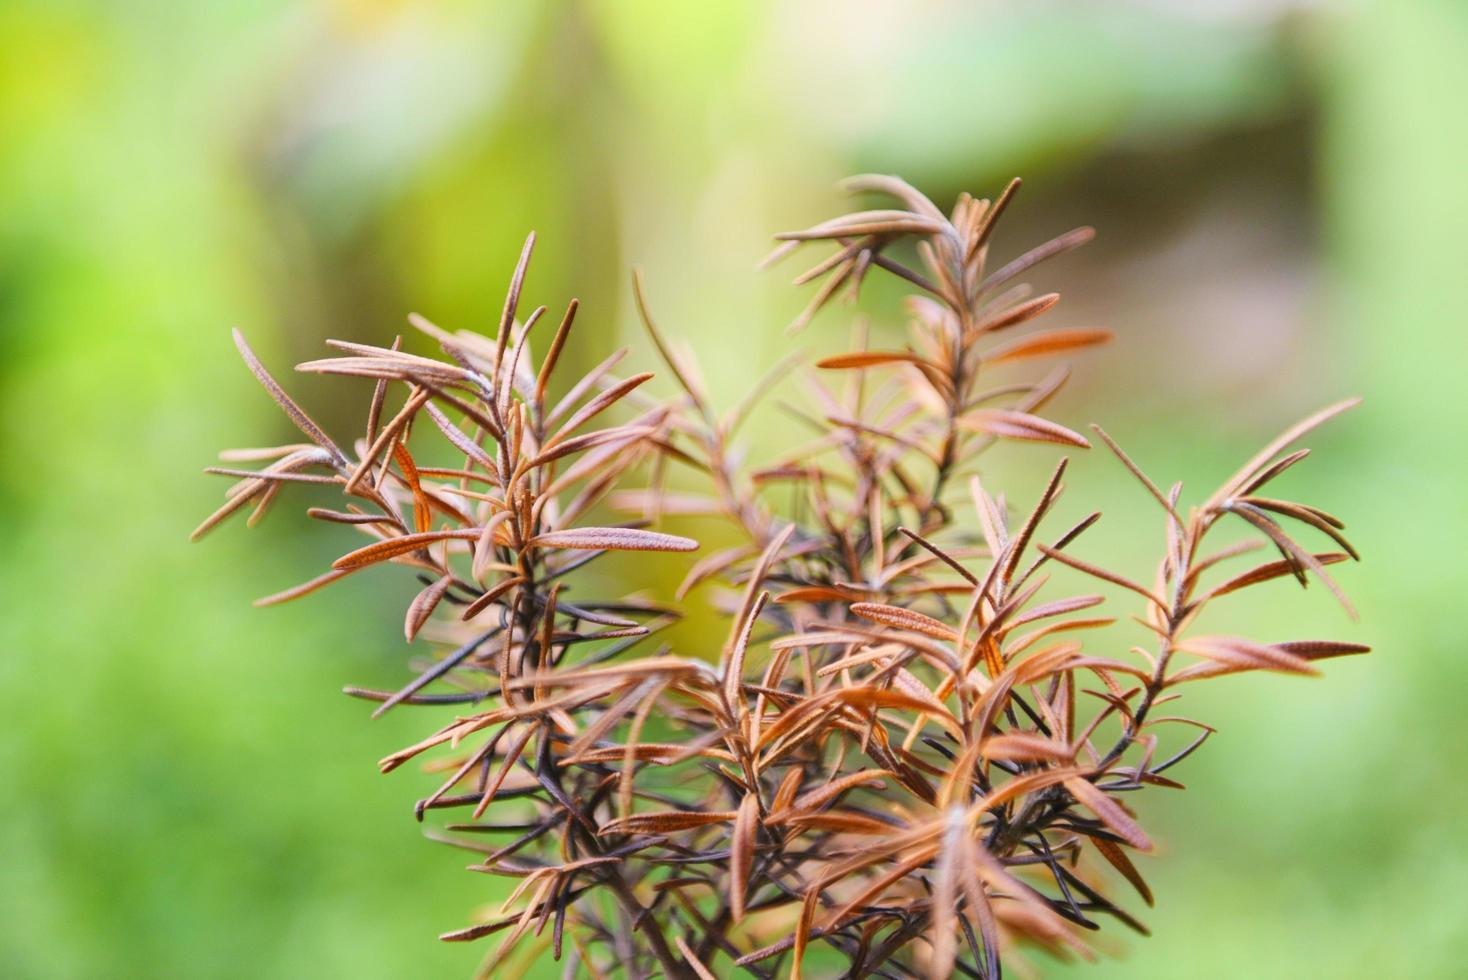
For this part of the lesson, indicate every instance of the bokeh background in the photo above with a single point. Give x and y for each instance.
(1281, 197)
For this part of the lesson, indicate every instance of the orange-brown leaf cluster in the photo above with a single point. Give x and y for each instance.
(921, 755)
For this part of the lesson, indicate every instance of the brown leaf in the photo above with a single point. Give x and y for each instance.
(1058, 607)
(1110, 812)
(869, 358)
(1048, 342)
(680, 370)
(876, 888)
(741, 853)
(708, 566)
(512, 298)
(876, 698)
(841, 822)
(402, 545)
(268, 476)
(512, 753)
(901, 223)
(1136, 471)
(816, 593)
(1280, 442)
(423, 605)
(803, 929)
(1318, 519)
(598, 405)
(1063, 243)
(945, 896)
(548, 366)
(1018, 314)
(787, 789)
(691, 958)
(652, 502)
(305, 588)
(236, 502)
(586, 383)
(658, 753)
(1101, 573)
(303, 421)
(1268, 571)
(824, 794)
(456, 436)
(386, 437)
(601, 437)
(490, 595)
(667, 821)
(1291, 550)
(734, 665)
(905, 681)
(422, 514)
(1235, 652)
(1020, 746)
(484, 544)
(613, 539)
(1119, 860)
(1006, 424)
(905, 619)
(1304, 650)
(1321, 649)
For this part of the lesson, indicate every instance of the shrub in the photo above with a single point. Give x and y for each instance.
(904, 751)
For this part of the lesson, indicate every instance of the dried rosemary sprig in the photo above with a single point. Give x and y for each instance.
(901, 752)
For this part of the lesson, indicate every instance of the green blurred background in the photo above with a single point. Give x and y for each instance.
(1281, 197)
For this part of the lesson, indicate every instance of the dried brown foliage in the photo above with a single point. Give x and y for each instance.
(906, 751)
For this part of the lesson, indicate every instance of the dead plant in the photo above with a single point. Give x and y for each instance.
(906, 751)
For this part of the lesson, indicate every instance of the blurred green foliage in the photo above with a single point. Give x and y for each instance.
(185, 791)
